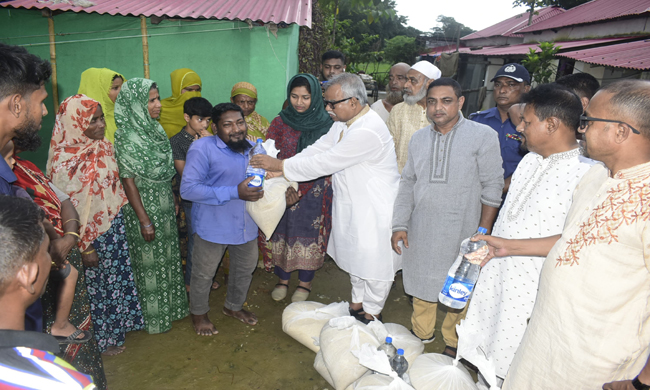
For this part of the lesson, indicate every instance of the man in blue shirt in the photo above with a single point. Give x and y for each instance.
(214, 179)
(22, 92)
(510, 83)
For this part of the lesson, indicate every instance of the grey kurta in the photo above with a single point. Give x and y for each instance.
(444, 183)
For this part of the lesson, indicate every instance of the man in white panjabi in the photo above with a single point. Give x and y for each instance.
(395, 89)
(540, 196)
(590, 326)
(411, 115)
(359, 153)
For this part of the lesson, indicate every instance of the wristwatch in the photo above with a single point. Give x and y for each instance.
(638, 385)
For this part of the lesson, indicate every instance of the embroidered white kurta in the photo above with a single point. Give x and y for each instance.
(361, 160)
(591, 321)
(380, 109)
(536, 206)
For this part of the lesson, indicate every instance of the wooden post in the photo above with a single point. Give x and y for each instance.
(145, 45)
(55, 86)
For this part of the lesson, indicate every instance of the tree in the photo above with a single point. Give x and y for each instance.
(400, 49)
(539, 64)
(450, 28)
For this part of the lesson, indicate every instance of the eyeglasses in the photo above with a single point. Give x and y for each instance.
(333, 103)
(584, 122)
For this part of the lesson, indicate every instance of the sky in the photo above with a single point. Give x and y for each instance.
(476, 14)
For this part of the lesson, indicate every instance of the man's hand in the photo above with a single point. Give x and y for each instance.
(497, 246)
(61, 247)
(266, 162)
(619, 385)
(91, 259)
(251, 194)
(292, 196)
(396, 238)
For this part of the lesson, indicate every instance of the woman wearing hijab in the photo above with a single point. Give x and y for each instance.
(82, 164)
(244, 95)
(300, 240)
(103, 85)
(186, 84)
(144, 158)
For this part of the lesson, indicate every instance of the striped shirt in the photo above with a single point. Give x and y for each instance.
(26, 364)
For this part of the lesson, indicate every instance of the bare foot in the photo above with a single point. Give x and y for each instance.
(114, 350)
(242, 315)
(203, 326)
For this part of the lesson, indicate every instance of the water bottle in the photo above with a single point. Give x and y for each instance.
(388, 348)
(463, 275)
(399, 363)
(257, 173)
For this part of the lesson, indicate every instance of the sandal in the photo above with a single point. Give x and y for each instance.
(278, 293)
(356, 313)
(72, 339)
(299, 296)
(366, 321)
(450, 351)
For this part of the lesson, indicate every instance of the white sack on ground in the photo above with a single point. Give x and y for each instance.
(385, 377)
(339, 338)
(402, 338)
(304, 320)
(268, 211)
(433, 371)
(468, 349)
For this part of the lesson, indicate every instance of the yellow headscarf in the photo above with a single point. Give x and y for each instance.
(171, 115)
(257, 124)
(244, 88)
(96, 84)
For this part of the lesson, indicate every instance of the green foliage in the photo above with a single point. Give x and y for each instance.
(539, 64)
(364, 51)
(450, 28)
(313, 42)
(373, 10)
(401, 49)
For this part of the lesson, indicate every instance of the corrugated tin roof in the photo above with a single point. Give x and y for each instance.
(276, 11)
(631, 55)
(510, 26)
(592, 11)
(523, 49)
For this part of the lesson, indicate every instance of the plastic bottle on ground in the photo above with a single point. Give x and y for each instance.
(258, 173)
(388, 348)
(463, 275)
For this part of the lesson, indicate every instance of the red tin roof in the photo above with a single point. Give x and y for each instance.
(523, 48)
(593, 11)
(510, 26)
(632, 55)
(276, 11)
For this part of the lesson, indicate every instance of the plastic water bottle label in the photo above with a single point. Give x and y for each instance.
(457, 290)
(257, 181)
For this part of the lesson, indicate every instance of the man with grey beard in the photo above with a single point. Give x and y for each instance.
(396, 81)
(411, 115)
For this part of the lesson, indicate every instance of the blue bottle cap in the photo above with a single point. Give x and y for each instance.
(259, 141)
(482, 230)
(400, 351)
(389, 340)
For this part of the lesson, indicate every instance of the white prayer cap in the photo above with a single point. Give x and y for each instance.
(428, 69)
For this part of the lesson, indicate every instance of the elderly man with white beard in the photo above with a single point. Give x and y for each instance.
(396, 80)
(410, 116)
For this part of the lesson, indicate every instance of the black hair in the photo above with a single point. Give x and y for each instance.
(220, 108)
(582, 84)
(554, 100)
(197, 106)
(153, 86)
(447, 82)
(333, 54)
(631, 103)
(21, 235)
(21, 72)
(300, 82)
(117, 76)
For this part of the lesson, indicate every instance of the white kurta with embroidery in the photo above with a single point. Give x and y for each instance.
(591, 321)
(536, 206)
(361, 160)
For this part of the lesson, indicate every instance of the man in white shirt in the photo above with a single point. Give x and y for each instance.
(359, 153)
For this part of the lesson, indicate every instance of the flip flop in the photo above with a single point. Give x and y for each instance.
(72, 339)
(244, 320)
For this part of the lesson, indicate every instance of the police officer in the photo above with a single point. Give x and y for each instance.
(510, 83)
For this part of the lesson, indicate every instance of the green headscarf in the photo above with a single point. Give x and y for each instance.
(313, 123)
(96, 84)
(141, 145)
